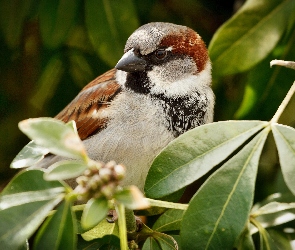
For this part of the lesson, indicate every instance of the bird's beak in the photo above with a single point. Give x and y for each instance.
(131, 62)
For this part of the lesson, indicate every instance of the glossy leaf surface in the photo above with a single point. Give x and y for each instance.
(220, 209)
(196, 152)
(20, 218)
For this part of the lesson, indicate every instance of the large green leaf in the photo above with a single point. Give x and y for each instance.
(56, 136)
(25, 202)
(56, 20)
(250, 35)
(196, 152)
(18, 223)
(12, 200)
(285, 141)
(109, 24)
(58, 231)
(220, 209)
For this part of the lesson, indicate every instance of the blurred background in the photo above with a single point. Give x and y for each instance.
(49, 50)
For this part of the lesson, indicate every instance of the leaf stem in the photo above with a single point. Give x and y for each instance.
(287, 64)
(262, 232)
(283, 104)
(166, 204)
(120, 208)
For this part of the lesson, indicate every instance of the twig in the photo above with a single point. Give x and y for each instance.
(287, 64)
(166, 204)
(283, 104)
(290, 93)
(120, 208)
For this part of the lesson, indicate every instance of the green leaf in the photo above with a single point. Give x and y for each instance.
(249, 30)
(151, 244)
(55, 135)
(132, 198)
(23, 208)
(11, 200)
(169, 221)
(94, 212)
(29, 180)
(273, 207)
(273, 214)
(266, 242)
(160, 241)
(107, 242)
(56, 20)
(262, 95)
(276, 218)
(58, 231)
(165, 241)
(29, 155)
(196, 152)
(281, 240)
(63, 170)
(285, 141)
(220, 209)
(245, 241)
(12, 16)
(109, 24)
(18, 223)
(101, 230)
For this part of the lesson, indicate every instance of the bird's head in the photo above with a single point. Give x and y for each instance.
(164, 58)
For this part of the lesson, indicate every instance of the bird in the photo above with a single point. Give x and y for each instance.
(159, 89)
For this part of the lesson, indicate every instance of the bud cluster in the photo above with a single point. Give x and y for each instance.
(99, 180)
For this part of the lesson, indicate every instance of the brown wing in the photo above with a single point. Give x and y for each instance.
(89, 106)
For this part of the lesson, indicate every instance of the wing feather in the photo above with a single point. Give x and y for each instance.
(89, 108)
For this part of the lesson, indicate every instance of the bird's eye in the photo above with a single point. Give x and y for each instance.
(161, 53)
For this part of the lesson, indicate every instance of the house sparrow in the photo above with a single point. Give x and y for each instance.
(159, 89)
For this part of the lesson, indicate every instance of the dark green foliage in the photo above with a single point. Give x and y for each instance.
(50, 49)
